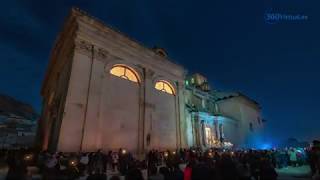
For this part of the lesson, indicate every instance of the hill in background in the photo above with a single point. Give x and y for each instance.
(9, 105)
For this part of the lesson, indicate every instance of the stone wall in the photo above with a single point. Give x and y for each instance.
(244, 111)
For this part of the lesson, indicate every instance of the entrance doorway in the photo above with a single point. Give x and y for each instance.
(209, 139)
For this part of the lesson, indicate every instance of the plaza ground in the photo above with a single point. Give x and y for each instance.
(298, 173)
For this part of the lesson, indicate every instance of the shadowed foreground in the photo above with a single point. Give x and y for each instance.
(301, 173)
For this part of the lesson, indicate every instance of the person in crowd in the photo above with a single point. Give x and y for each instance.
(153, 173)
(17, 166)
(243, 170)
(115, 160)
(164, 171)
(97, 174)
(83, 163)
(227, 168)
(177, 173)
(124, 160)
(293, 157)
(314, 159)
(134, 174)
(51, 166)
(284, 158)
(99, 161)
(40, 161)
(114, 178)
(187, 173)
(267, 171)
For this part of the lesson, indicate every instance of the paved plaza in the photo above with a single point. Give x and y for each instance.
(299, 173)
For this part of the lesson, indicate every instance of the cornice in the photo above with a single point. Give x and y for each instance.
(100, 53)
(63, 39)
(124, 50)
(87, 48)
(97, 24)
(83, 47)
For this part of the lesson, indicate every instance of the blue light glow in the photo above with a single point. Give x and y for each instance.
(265, 146)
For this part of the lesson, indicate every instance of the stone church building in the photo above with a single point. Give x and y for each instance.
(103, 90)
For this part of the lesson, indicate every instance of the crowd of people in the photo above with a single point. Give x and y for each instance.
(183, 164)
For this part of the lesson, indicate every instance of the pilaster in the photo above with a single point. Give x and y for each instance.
(148, 109)
(71, 132)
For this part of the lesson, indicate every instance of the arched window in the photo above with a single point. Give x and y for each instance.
(164, 86)
(124, 72)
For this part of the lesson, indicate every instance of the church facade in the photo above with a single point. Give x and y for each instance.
(219, 119)
(103, 90)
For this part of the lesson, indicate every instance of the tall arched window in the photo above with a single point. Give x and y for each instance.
(124, 72)
(164, 86)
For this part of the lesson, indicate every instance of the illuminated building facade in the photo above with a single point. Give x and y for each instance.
(105, 91)
(219, 119)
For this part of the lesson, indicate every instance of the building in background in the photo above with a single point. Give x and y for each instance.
(18, 124)
(104, 90)
(219, 119)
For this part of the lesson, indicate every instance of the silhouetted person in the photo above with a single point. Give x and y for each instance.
(267, 171)
(134, 174)
(17, 166)
(153, 174)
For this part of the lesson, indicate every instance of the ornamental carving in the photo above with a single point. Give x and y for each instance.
(100, 53)
(83, 46)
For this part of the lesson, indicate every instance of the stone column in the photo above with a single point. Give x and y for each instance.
(221, 133)
(216, 128)
(198, 130)
(194, 136)
(203, 134)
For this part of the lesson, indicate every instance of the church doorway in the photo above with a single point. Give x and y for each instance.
(208, 136)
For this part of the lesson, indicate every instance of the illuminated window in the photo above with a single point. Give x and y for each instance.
(124, 72)
(164, 86)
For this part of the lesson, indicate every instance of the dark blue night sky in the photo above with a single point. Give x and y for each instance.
(227, 41)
